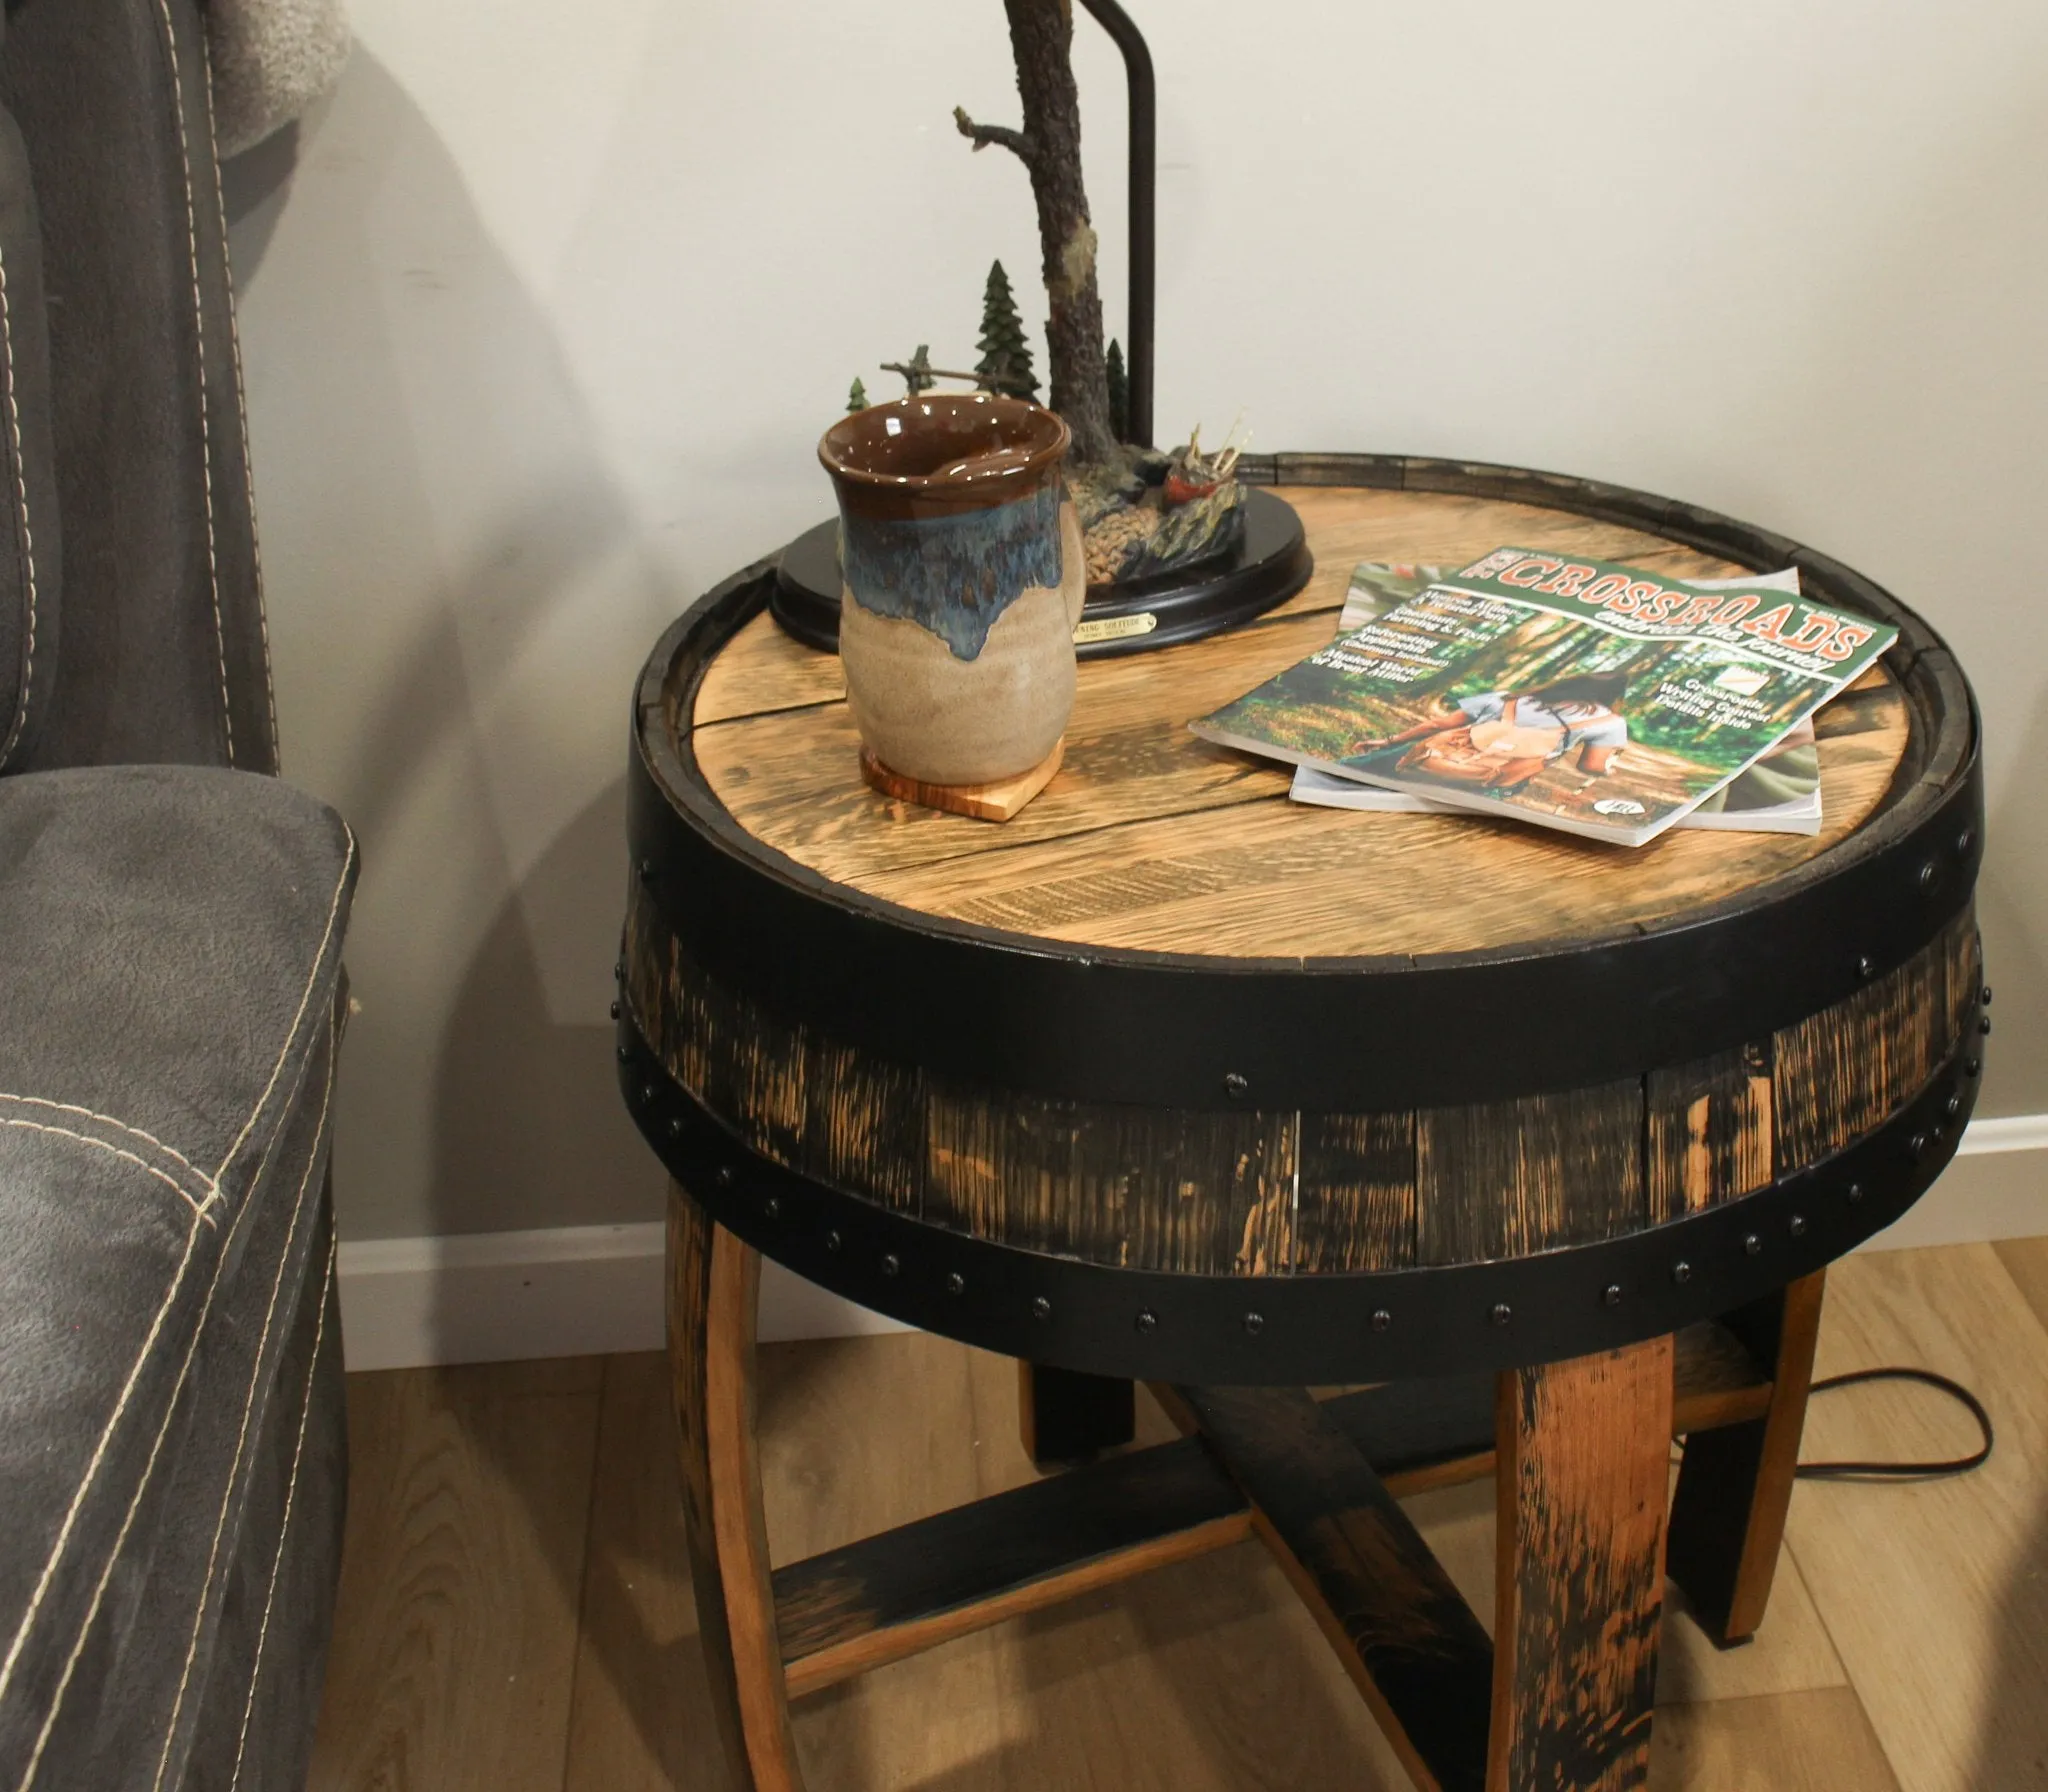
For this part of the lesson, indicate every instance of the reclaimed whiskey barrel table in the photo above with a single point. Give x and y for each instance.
(1172, 1080)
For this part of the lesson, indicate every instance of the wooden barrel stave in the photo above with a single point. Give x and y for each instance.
(1251, 1193)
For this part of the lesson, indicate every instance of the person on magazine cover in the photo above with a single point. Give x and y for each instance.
(1502, 739)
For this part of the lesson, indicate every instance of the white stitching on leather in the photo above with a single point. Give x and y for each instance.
(99, 1592)
(28, 540)
(313, 977)
(248, 1407)
(134, 1132)
(284, 1529)
(227, 1252)
(242, 417)
(199, 337)
(92, 1468)
(199, 1208)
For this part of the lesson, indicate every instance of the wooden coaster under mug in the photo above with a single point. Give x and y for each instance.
(997, 801)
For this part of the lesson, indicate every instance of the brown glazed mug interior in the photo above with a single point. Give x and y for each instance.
(942, 451)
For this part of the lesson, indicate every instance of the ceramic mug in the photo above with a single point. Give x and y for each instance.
(962, 580)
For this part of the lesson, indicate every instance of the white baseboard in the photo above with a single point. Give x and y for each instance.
(585, 1290)
(494, 1297)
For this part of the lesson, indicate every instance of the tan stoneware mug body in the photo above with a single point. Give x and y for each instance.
(962, 579)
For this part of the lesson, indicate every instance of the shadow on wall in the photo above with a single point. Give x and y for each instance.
(526, 1103)
(441, 529)
(452, 557)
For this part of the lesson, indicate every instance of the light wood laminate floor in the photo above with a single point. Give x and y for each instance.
(516, 1617)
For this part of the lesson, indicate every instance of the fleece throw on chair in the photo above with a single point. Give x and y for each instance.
(271, 60)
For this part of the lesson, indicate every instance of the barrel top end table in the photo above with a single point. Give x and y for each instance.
(1172, 1079)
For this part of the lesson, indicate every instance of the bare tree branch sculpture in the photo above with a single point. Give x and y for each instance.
(1049, 146)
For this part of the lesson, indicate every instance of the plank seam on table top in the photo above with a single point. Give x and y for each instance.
(1270, 619)
(983, 853)
(1632, 927)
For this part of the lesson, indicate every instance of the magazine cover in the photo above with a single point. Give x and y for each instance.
(1779, 794)
(1601, 699)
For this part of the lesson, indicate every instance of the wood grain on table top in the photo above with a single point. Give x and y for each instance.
(1152, 839)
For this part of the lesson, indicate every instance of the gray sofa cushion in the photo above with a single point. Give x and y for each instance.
(169, 998)
(29, 582)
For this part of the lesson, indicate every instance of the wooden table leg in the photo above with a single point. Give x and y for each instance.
(1728, 1516)
(1064, 1415)
(1403, 1632)
(1583, 1465)
(713, 1287)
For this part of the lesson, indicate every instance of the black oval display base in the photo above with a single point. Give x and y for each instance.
(1270, 565)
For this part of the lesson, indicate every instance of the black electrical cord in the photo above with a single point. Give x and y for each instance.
(1903, 1471)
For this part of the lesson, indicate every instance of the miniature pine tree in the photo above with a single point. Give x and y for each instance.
(1119, 393)
(1005, 364)
(857, 398)
(917, 374)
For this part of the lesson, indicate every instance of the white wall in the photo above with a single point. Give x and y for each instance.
(543, 313)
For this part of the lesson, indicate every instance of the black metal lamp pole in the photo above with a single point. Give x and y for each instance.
(1144, 108)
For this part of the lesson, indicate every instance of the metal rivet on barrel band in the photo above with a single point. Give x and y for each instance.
(1916, 1147)
(615, 1011)
(723, 1176)
(1041, 1308)
(1965, 840)
(1148, 1321)
(1984, 995)
(772, 1207)
(956, 1283)
(1381, 1319)
(1927, 875)
(1797, 1225)
(834, 1244)
(647, 1094)
(891, 1264)
(646, 870)
(1954, 1106)
(1254, 1323)
(1973, 1066)
(1752, 1245)
(1866, 966)
(625, 1054)
(619, 969)
(675, 1126)
(1681, 1272)
(1501, 1313)
(1235, 1086)
(1611, 1294)
(1984, 1025)
(1855, 1191)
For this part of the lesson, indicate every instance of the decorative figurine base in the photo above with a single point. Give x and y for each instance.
(985, 802)
(1269, 566)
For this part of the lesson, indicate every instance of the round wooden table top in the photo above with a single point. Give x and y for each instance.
(1150, 838)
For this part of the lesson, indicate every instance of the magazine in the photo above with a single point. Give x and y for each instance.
(1780, 794)
(1598, 698)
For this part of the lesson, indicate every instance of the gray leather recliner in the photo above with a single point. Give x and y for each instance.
(172, 1459)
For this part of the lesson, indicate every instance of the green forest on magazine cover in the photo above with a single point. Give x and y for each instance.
(1525, 657)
